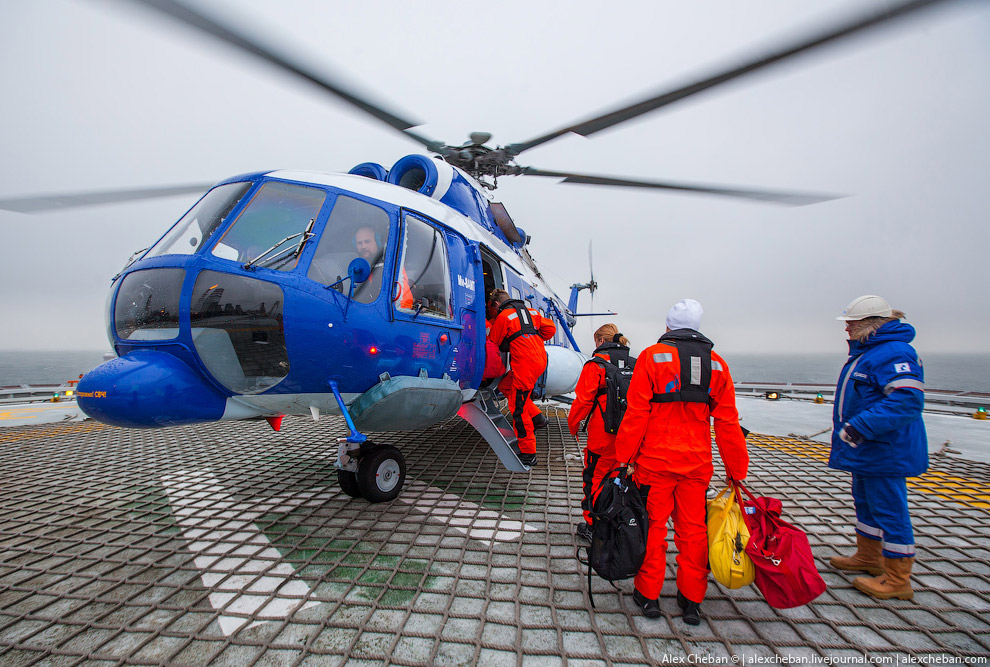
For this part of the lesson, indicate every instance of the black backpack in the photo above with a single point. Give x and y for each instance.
(619, 526)
(618, 374)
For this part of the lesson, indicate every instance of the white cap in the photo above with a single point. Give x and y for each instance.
(865, 306)
(685, 314)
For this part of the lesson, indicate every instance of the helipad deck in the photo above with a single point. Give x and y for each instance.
(232, 544)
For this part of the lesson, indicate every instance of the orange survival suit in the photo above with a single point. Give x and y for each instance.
(521, 330)
(589, 401)
(677, 386)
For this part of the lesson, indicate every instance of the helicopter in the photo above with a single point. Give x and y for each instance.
(256, 304)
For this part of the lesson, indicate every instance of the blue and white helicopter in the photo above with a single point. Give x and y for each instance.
(360, 294)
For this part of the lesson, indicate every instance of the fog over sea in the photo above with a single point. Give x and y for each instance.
(964, 372)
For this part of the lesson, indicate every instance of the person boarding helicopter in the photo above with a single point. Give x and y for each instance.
(520, 330)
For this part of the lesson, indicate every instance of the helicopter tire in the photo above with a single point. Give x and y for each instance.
(381, 474)
(348, 483)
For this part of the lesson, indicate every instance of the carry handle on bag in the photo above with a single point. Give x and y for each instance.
(728, 536)
(786, 573)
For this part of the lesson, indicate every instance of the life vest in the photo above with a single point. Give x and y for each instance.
(618, 373)
(526, 326)
(696, 369)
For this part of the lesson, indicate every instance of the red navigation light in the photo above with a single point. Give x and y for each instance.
(372, 350)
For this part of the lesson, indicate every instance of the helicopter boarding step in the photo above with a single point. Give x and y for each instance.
(485, 415)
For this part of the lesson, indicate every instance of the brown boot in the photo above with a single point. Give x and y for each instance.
(894, 583)
(868, 557)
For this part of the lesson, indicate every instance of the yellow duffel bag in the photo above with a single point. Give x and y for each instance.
(727, 540)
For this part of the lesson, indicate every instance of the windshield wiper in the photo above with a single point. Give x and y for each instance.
(296, 250)
(133, 258)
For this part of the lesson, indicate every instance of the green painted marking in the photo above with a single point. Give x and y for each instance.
(342, 572)
(390, 562)
(357, 558)
(373, 576)
(151, 505)
(407, 580)
(415, 564)
(394, 597)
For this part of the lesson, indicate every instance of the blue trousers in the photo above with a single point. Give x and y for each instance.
(882, 513)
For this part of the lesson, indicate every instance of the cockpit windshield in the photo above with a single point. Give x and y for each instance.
(190, 233)
(272, 227)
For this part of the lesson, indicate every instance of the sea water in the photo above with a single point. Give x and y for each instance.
(963, 372)
(46, 367)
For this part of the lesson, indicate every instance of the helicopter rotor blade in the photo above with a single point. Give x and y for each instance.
(197, 20)
(776, 197)
(592, 125)
(51, 202)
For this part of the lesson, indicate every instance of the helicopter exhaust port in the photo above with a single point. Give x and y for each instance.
(371, 170)
(447, 184)
(148, 389)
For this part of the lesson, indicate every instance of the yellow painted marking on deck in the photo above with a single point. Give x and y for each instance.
(73, 428)
(26, 411)
(969, 492)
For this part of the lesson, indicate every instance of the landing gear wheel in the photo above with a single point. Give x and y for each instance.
(348, 483)
(381, 474)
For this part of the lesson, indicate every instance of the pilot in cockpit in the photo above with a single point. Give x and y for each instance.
(367, 243)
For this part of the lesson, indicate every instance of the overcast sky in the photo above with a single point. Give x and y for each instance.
(101, 94)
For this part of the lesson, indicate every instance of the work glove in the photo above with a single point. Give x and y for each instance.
(850, 435)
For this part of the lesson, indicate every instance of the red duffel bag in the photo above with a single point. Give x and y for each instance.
(785, 567)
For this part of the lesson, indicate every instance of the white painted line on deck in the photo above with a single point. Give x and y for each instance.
(465, 517)
(235, 556)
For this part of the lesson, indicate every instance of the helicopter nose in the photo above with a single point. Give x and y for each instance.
(148, 389)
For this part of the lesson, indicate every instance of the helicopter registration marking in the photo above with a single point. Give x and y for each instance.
(466, 283)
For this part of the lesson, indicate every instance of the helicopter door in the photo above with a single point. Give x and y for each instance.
(468, 355)
(435, 300)
(493, 272)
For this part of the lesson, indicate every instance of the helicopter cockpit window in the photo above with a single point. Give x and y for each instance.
(270, 231)
(238, 331)
(423, 285)
(147, 305)
(190, 233)
(355, 229)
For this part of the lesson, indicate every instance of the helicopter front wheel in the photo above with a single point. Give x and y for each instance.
(381, 474)
(348, 483)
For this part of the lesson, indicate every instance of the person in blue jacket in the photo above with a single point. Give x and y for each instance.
(878, 435)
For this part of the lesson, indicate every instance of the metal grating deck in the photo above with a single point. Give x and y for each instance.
(230, 544)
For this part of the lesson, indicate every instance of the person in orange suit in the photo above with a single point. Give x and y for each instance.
(520, 330)
(589, 403)
(678, 387)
